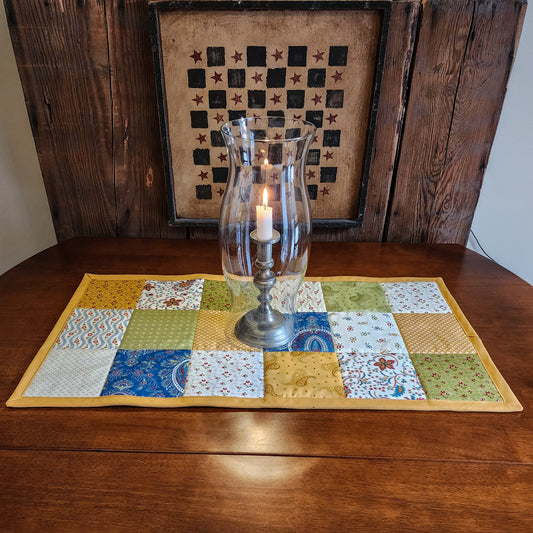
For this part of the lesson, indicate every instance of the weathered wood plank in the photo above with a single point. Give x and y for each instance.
(141, 199)
(61, 51)
(443, 35)
(486, 68)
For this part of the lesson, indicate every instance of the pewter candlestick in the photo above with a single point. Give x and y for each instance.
(263, 326)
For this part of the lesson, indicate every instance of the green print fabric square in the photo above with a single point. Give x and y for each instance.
(156, 329)
(216, 296)
(354, 296)
(455, 377)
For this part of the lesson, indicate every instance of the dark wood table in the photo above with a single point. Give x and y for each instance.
(206, 469)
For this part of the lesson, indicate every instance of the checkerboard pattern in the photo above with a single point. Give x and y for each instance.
(297, 82)
(175, 339)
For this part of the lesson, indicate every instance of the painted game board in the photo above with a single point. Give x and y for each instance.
(360, 343)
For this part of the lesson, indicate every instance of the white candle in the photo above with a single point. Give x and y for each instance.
(266, 170)
(264, 219)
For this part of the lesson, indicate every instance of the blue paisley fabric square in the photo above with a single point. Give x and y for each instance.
(148, 373)
(313, 334)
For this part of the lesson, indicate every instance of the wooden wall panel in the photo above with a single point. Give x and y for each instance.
(141, 198)
(61, 51)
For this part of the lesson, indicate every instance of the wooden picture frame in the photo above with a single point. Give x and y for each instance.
(217, 65)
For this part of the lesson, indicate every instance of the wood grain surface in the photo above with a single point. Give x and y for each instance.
(206, 469)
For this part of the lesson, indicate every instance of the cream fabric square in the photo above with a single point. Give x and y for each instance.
(415, 297)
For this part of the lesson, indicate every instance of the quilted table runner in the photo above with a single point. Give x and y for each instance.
(360, 343)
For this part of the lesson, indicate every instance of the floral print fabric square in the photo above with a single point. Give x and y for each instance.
(308, 299)
(354, 296)
(375, 375)
(415, 297)
(302, 375)
(94, 328)
(455, 377)
(112, 294)
(366, 333)
(216, 296)
(178, 294)
(224, 373)
(148, 373)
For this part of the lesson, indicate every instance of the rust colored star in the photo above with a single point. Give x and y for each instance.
(197, 56)
(319, 56)
(328, 155)
(219, 118)
(237, 56)
(317, 99)
(332, 118)
(257, 77)
(201, 138)
(275, 176)
(297, 117)
(325, 191)
(220, 191)
(277, 55)
(277, 137)
(217, 77)
(255, 118)
(315, 140)
(310, 174)
(296, 78)
(222, 157)
(237, 99)
(276, 99)
(337, 76)
(198, 99)
(203, 175)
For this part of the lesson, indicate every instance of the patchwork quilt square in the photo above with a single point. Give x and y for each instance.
(354, 296)
(148, 373)
(71, 372)
(308, 298)
(94, 328)
(177, 294)
(225, 373)
(460, 377)
(433, 333)
(216, 296)
(302, 375)
(312, 334)
(366, 333)
(376, 375)
(112, 294)
(215, 330)
(155, 329)
(415, 297)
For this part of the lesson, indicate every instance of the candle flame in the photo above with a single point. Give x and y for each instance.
(265, 197)
(265, 162)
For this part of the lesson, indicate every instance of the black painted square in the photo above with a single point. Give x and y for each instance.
(313, 191)
(315, 117)
(332, 138)
(334, 98)
(276, 77)
(196, 78)
(235, 115)
(297, 56)
(199, 119)
(220, 174)
(215, 56)
(236, 77)
(256, 99)
(246, 156)
(275, 154)
(216, 138)
(293, 132)
(313, 157)
(295, 99)
(257, 175)
(256, 56)
(338, 56)
(203, 192)
(298, 194)
(258, 134)
(328, 174)
(276, 119)
(201, 156)
(274, 192)
(217, 99)
(316, 77)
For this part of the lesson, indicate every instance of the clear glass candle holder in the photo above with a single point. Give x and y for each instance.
(266, 191)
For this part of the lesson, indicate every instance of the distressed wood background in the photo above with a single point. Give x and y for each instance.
(88, 78)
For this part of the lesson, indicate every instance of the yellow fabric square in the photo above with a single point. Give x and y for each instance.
(215, 331)
(112, 294)
(302, 375)
(435, 333)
